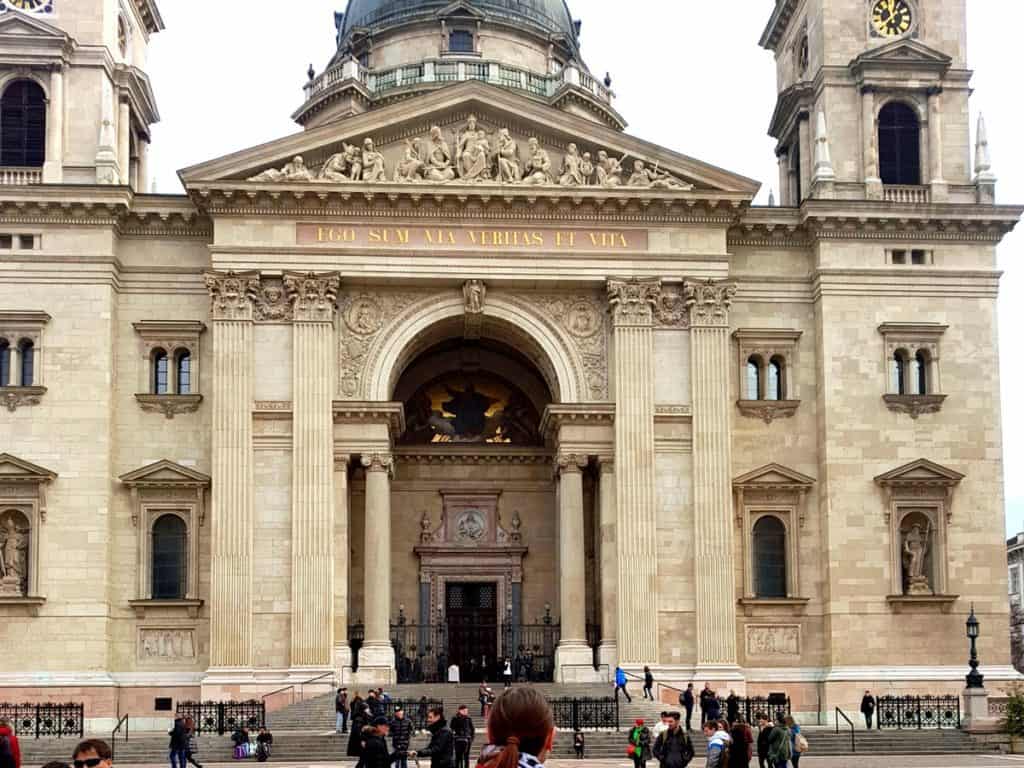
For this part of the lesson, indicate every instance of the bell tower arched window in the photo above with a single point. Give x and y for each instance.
(23, 125)
(899, 145)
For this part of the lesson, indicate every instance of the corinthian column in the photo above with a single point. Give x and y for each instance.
(312, 622)
(708, 303)
(376, 657)
(231, 567)
(632, 306)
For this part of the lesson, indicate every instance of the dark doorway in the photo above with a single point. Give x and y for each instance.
(471, 611)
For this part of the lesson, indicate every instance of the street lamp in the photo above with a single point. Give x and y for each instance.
(974, 678)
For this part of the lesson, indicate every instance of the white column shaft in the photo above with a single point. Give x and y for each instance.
(53, 169)
(124, 132)
(572, 556)
(377, 555)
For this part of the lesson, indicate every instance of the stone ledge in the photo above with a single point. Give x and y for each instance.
(32, 604)
(169, 405)
(768, 410)
(191, 607)
(797, 606)
(14, 397)
(899, 603)
(914, 405)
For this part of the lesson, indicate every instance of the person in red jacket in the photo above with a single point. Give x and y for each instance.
(11, 754)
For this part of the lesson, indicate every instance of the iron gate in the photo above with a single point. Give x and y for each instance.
(33, 721)
(918, 712)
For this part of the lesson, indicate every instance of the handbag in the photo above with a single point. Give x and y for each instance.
(801, 743)
(630, 750)
(240, 752)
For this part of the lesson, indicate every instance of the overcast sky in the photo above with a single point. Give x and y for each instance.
(689, 76)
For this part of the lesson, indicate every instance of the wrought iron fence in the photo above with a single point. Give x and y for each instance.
(918, 712)
(533, 650)
(33, 721)
(586, 714)
(420, 652)
(224, 716)
(750, 707)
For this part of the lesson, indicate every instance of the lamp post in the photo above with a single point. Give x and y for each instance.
(974, 678)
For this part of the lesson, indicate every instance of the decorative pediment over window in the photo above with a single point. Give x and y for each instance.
(903, 55)
(22, 512)
(460, 8)
(774, 476)
(921, 478)
(165, 476)
(15, 472)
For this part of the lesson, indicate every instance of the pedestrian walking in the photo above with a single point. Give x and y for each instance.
(709, 709)
(742, 748)
(481, 695)
(798, 742)
(441, 749)
(506, 673)
(10, 750)
(179, 743)
(779, 749)
(341, 711)
(673, 747)
(764, 732)
(464, 733)
(867, 708)
(421, 714)
(579, 744)
(639, 747)
(192, 744)
(522, 728)
(648, 684)
(360, 719)
(687, 700)
(620, 685)
(401, 736)
(716, 755)
(732, 708)
(375, 751)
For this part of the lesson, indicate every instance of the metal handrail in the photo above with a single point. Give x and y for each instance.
(266, 696)
(113, 740)
(292, 687)
(853, 731)
(312, 680)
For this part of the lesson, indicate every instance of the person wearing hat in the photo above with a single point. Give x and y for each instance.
(375, 745)
(401, 735)
(639, 744)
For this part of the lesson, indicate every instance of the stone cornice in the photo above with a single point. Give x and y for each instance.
(476, 455)
(777, 25)
(366, 412)
(557, 416)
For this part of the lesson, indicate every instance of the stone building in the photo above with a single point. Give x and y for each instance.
(465, 371)
(1015, 576)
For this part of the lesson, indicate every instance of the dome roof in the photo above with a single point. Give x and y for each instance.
(547, 16)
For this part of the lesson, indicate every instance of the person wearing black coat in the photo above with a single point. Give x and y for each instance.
(764, 734)
(375, 751)
(463, 733)
(401, 735)
(179, 743)
(673, 747)
(867, 708)
(686, 698)
(442, 744)
(360, 718)
(708, 704)
(732, 707)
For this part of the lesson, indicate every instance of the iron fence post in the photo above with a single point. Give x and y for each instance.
(38, 719)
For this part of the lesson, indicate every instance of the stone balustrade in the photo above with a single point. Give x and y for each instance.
(19, 177)
(906, 194)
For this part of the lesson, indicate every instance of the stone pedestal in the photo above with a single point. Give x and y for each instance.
(975, 716)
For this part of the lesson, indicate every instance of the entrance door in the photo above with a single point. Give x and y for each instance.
(471, 611)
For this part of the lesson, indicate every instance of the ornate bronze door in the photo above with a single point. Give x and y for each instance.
(471, 613)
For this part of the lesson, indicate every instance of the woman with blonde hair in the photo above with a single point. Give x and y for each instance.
(521, 728)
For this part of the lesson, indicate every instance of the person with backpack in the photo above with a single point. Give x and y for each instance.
(639, 747)
(779, 747)
(10, 750)
(464, 733)
(341, 711)
(673, 747)
(192, 748)
(798, 743)
(717, 746)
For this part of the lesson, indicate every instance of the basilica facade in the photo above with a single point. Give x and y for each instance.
(464, 372)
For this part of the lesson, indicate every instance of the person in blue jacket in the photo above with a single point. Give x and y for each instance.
(620, 684)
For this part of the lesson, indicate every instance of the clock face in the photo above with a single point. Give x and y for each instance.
(892, 18)
(28, 6)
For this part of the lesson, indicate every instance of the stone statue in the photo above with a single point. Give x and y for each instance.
(410, 167)
(344, 166)
(572, 168)
(915, 550)
(439, 158)
(509, 168)
(296, 170)
(587, 168)
(426, 530)
(13, 558)
(538, 165)
(652, 178)
(515, 535)
(609, 170)
(474, 156)
(373, 163)
(474, 292)
(465, 143)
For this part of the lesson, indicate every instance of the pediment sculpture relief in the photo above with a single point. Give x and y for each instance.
(475, 156)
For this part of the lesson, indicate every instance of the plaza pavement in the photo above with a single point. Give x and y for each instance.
(847, 761)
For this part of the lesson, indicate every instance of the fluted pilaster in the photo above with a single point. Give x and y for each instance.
(708, 303)
(377, 550)
(312, 621)
(231, 574)
(632, 304)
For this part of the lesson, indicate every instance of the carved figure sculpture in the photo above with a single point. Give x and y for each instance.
(464, 139)
(538, 165)
(515, 535)
(572, 168)
(373, 163)
(474, 292)
(426, 530)
(439, 158)
(652, 178)
(915, 550)
(609, 170)
(410, 167)
(470, 527)
(13, 557)
(344, 166)
(509, 168)
(587, 168)
(475, 156)
(296, 170)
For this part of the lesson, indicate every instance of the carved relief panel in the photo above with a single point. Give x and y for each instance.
(167, 645)
(773, 641)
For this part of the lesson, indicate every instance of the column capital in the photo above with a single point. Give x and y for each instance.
(232, 294)
(632, 302)
(606, 464)
(378, 462)
(708, 302)
(570, 463)
(314, 296)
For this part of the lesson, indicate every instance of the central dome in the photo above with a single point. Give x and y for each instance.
(549, 16)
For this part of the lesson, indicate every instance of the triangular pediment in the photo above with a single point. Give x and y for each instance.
(902, 54)
(393, 129)
(459, 8)
(165, 473)
(920, 472)
(773, 476)
(13, 23)
(15, 470)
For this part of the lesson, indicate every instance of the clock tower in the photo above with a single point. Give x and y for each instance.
(75, 102)
(873, 101)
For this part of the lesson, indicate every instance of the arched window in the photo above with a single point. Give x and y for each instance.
(28, 363)
(170, 558)
(23, 125)
(5, 363)
(460, 41)
(899, 145)
(900, 378)
(921, 361)
(753, 385)
(769, 554)
(160, 372)
(774, 386)
(183, 367)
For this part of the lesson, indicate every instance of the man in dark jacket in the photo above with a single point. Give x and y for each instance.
(179, 743)
(441, 747)
(686, 698)
(463, 733)
(341, 711)
(764, 732)
(708, 704)
(867, 708)
(375, 749)
(673, 749)
(732, 707)
(401, 735)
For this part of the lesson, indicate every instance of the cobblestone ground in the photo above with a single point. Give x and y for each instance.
(852, 761)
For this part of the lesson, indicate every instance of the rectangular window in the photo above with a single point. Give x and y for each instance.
(460, 41)
(919, 257)
(26, 242)
(6, 242)
(899, 257)
(163, 704)
(1014, 581)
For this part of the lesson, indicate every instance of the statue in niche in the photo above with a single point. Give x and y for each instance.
(652, 178)
(538, 165)
(916, 545)
(572, 168)
(474, 291)
(14, 542)
(609, 170)
(346, 165)
(509, 169)
(410, 167)
(373, 163)
(296, 170)
(439, 158)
